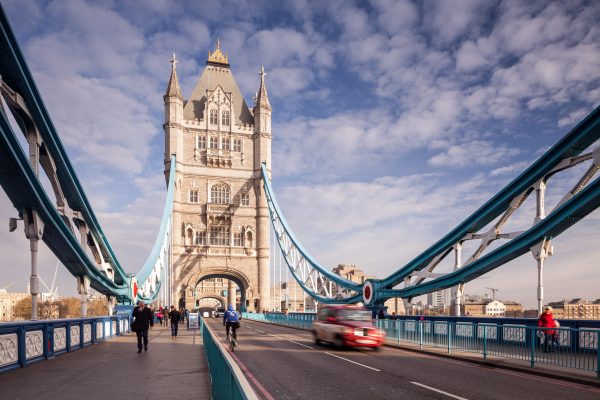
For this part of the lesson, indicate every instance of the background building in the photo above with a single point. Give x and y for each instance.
(576, 309)
(8, 300)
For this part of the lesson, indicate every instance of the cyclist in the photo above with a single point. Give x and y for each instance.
(231, 320)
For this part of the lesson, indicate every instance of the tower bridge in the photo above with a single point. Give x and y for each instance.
(220, 209)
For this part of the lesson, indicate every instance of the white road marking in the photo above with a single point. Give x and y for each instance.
(278, 337)
(439, 391)
(353, 362)
(300, 344)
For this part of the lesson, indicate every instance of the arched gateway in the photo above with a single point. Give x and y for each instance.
(220, 216)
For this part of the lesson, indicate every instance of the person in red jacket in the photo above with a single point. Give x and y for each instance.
(546, 321)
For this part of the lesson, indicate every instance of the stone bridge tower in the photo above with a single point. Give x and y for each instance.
(220, 216)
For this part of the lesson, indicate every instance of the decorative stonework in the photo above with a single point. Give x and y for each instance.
(126, 324)
(87, 333)
(75, 336)
(34, 344)
(114, 327)
(217, 56)
(9, 353)
(60, 339)
(121, 325)
(99, 331)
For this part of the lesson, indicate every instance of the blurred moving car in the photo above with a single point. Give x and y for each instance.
(344, 325)
(220, 312)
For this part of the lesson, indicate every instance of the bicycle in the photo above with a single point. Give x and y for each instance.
(231, 339)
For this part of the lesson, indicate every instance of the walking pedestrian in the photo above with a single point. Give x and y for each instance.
(165, 312)
(142, 323)
(175, 316)
(546, 321)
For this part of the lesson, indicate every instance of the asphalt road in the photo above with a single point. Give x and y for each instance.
(284, 363)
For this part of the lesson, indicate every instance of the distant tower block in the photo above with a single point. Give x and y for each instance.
(220, 216)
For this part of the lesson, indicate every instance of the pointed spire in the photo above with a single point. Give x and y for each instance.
(262, 98)
(173, 89)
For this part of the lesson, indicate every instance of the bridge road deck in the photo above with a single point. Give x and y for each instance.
(171, 369)
(284, 363)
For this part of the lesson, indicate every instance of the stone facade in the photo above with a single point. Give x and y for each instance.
(220, 216)
(8, 300)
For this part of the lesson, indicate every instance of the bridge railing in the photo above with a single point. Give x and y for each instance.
(27, 342)
(294, 320)
(228, 381)
(567, 347)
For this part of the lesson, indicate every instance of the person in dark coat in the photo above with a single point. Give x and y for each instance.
(144, 319)
(174, 316)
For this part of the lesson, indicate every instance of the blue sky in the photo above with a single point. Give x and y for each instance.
(392, 120)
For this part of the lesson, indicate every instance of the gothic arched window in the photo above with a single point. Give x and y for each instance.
(219, 194)
(225, 118)
(214, 119)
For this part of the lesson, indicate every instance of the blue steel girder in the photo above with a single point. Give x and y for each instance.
(26, 193)
(156, 268)
(573, 143)
(315, 280)
(16, 74)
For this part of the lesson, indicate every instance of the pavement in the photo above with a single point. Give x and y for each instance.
(170, 369)
(284, 363)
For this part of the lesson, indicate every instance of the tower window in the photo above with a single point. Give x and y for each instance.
(245, 199)
(213, 142)
(225, 118)
(237, 145)
(225, 143)
(238, 239)
(193, 196)
(201, 142)
(219, 194)
(200, 238)
(214, 119)
(219, 236)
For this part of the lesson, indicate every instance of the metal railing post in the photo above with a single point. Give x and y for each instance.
(421, 334)
(484, 342)
(449, 326)
(532, 339)
(598, 355)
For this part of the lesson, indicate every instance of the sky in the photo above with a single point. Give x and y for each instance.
(392, 121)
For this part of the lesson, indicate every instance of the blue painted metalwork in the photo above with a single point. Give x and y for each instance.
(53, 333)
(226, 377)
(282, 229)
(576, 346)
(578, 139)
(160, 252)
(16, 74)
(570, 212)
(26, 193)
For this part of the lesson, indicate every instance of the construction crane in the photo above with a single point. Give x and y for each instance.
(494, 290)
(5, 288)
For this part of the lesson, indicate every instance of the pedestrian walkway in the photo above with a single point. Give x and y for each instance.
(171, 369)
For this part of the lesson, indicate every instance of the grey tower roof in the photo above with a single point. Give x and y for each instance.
(217, 74)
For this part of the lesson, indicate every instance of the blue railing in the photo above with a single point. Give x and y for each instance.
(566, 346)
(228, 381)
(575, 344)
(27, 342)
(293, 320)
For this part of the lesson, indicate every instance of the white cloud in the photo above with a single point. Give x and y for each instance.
(478, 152)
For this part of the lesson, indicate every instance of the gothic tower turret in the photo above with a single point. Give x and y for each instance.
(262, 154)
(173, 119)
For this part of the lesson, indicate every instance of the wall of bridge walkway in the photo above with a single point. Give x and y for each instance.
(28, 342)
